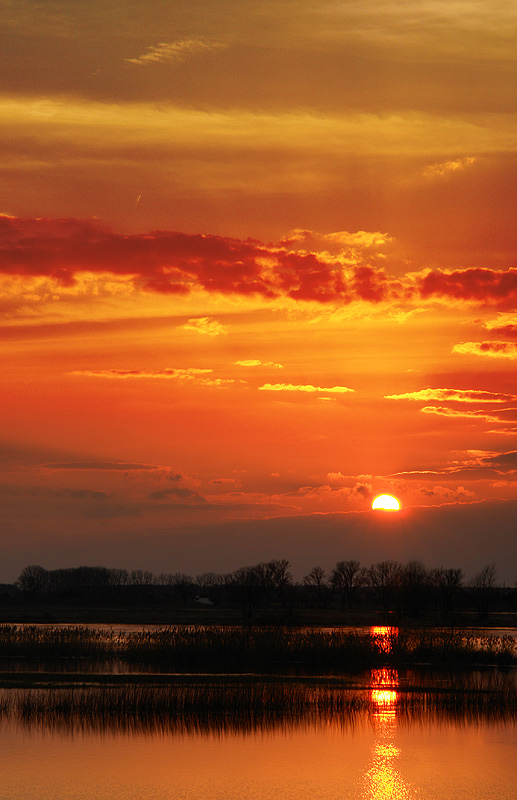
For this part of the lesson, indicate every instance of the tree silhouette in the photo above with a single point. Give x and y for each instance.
(346, 580)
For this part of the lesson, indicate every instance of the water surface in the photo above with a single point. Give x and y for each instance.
(296, 741)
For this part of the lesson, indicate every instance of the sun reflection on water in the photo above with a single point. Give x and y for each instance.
(384, 637)
(383, 781)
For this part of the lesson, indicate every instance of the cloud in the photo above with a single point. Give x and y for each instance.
(290, 387)
(169, 262)
(83, 494)
(205, 325)
(191, 373)
(67, 251)
(345, 243)
(254, 362)
(455, 395)
(493, 349)
(471, 465)
(447, 493)
(448, 167)
(166, 494)
(483, 285)
(504, 462)
(504, 324)
(173, 52)
(116, 466)
(225, 482)
(452, 412)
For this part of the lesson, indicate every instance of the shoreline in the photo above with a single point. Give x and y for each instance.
(142, 615)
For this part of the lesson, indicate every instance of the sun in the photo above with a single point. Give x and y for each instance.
(386, 502)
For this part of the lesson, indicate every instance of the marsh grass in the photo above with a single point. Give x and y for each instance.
(213, 708)
(259, 649)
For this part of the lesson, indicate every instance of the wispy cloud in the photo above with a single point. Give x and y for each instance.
(448, 167)
(447, 493)
(290, 387)
(206, 326)
(255, 362)
(168, 373)
(185, 375)
(173, 52)
(492, 349)
(452, 412)
(504, 323)
(456, 395)
(110, 466)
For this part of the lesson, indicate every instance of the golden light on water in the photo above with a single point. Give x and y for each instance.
(384, 637)
(383, 781)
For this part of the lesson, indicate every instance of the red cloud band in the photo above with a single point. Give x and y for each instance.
(484, 285)
(173, 262)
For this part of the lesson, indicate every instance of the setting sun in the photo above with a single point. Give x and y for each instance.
(386, 502)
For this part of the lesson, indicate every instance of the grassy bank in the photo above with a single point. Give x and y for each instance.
(269, 650)
(245, 707)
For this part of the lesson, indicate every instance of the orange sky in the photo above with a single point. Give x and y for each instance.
(257, 265)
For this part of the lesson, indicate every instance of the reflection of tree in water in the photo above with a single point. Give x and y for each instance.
(383, 781)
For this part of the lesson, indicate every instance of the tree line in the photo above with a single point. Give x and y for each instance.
(410, 589)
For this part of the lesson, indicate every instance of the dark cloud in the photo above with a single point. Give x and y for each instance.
(111, 466)
(166, 494)
(82, 494)
(504, 462)
(171, 262)
(484, 285)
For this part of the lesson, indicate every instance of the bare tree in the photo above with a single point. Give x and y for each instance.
(483, 589)
(446, 584)
(317, 587)
(414, 581)
(384, 578)
(278, 579)
(248, 587)
(346, 579)
(33, 580)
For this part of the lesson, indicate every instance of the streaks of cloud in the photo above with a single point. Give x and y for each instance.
(173, 52)
(255, 362)
(447, 167)
(493, 349)
(341, 242)
(446, 493)
(111, 466)
(205, 325)
(290, 387)
(182, 493)
(168, 373)
(503, 462)
(192, 374)
(452, 412)
(456, 395)
(504, 324)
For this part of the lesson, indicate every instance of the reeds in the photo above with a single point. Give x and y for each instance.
(263, 650)
(212, 708)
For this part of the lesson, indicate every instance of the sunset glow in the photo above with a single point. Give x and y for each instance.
(386, 502)
(255, 266)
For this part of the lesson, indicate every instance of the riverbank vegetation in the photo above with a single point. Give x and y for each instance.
(213, 707)
(280, 650)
